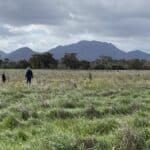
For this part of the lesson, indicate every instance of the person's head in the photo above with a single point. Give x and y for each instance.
(28, 68)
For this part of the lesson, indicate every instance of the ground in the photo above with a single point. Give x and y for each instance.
(75, 110)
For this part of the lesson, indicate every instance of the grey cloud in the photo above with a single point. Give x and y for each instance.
(24, 12)
(69, 20)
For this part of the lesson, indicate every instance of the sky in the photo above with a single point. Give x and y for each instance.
(44, 24)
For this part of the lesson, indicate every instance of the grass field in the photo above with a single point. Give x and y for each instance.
(75, 110)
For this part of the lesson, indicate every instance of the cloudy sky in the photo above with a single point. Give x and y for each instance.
(43, 24)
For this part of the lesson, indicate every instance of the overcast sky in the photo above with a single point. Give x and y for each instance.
(43, 24)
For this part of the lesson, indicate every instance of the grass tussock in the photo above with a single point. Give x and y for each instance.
(11, 122)
(91, 112)
(129, 139)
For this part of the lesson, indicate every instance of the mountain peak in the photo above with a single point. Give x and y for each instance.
(93, 41)
(24, 49)
(136, 51)
(20, 54)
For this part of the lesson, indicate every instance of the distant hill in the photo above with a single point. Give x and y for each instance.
(2, 54)
(91, 50)
(87, 50)
(138, 54)
(20, 54)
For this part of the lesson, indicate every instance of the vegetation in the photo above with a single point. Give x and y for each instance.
(75, 110)
(70, 61)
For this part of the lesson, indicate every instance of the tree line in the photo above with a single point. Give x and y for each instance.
(70, 61)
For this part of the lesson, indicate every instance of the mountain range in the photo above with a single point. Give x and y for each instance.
(86, 50)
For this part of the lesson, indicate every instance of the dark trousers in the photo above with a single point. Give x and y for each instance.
(29, 80)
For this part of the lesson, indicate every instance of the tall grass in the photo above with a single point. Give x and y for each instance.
(75, 110)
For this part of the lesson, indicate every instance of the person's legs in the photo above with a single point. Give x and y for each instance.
(3, 80)
(29, 81)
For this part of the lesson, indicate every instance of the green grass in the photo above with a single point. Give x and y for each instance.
(68, 110)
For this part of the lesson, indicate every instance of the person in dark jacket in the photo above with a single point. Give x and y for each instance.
(29, 75)
(3, 78)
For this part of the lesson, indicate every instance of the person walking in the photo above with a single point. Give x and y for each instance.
(29, 75)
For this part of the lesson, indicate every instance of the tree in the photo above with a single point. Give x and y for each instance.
(70, 60)
(84, 64)
(23, 64)
(6, 60)
(103, 62)
(45, 61)
(136, 64)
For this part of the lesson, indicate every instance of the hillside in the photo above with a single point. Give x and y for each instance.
(20, 54)
(91, 50)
